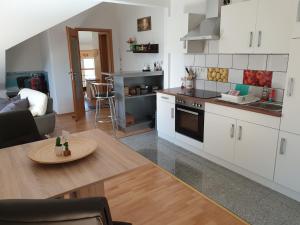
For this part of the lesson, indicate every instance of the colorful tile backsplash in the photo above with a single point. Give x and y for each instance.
(254, 70)
(258, 78)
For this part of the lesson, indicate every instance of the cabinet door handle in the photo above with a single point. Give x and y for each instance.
(232, 131)
(163, 97)
(251, 39)
(282, 149)
(172, 113)
(291, 87)
(259, 38)
(240, 133)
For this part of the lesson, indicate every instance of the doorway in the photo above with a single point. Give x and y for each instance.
(91, 57)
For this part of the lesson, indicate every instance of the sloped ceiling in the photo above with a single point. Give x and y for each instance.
(22, 19)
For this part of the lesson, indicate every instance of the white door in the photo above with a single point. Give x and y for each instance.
(274, 27)
(238, 27)
(219, 136)
(287, 163)
(255, 148)
(290, 121)
(165, 118)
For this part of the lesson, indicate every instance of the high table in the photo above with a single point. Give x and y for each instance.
(138, 191)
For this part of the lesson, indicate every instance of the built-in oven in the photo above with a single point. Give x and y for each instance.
(189, 121)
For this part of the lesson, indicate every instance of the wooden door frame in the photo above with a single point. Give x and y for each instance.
(110, 42)
(111, 56)
(75, 103)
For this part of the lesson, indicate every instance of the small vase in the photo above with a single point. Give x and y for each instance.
(59, 150)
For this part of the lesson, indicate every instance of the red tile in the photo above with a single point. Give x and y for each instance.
(258, 78)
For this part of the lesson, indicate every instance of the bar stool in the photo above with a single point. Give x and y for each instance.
(104, 92)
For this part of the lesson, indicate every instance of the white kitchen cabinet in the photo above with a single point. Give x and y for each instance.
(257, 26)
(219, 138)
(291, 109)
(274, 27)
(245, 139)
(238, 27)
(166, 115)
(287, 163)
(255, 148)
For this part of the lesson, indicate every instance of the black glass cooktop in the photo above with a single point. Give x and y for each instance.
(197, 93)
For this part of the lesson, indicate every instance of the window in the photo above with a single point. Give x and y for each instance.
(88, 70)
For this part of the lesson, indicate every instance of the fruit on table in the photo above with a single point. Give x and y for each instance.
(217, 74)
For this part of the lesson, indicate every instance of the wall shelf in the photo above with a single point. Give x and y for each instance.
(146, 48)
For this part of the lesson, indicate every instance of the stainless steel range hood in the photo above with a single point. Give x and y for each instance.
(209, 28)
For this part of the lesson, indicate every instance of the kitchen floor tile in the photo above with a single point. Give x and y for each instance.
(251, 201)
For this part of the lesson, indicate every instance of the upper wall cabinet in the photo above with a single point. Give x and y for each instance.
(238, 27)
(257, 26)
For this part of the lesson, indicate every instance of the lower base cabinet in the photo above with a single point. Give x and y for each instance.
(247, 145)
(219, 138)
(288, 161)
(166, 115)
(255, 148)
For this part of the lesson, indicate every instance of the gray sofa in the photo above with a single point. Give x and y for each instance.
(46, 123)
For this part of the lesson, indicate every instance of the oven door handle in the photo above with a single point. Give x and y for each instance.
(188, 111)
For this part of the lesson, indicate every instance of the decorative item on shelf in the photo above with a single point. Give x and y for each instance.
(144, 24)
(59, 149)
(132, 91)
(158, 66)
(146, 48)
(132, 43)
(146, 68)
(126, 90)
(217, 74)
(138, 90)
(144, 89)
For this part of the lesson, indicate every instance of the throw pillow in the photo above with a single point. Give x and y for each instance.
(37, 101)
(21, 104)
(4, 101)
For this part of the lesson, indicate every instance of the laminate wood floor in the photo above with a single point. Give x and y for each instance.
(66, 122)
(151, 196)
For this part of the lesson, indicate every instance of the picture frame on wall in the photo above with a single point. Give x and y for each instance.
(144, 24)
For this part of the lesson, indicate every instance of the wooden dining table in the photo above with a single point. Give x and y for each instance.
(138, 191)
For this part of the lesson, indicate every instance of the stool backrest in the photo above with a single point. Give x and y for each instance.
(101, 89)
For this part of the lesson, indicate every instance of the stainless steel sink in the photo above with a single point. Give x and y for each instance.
(266, 105)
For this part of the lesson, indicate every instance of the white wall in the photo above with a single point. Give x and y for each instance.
(176, 27)
(25, 56)
(128, 28)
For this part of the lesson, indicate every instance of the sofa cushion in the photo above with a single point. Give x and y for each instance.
(17, 105)
(3, 94)
(37, 101)
(4, 101)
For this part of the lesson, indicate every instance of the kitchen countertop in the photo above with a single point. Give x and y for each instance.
(172, 91)
(175, 91)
